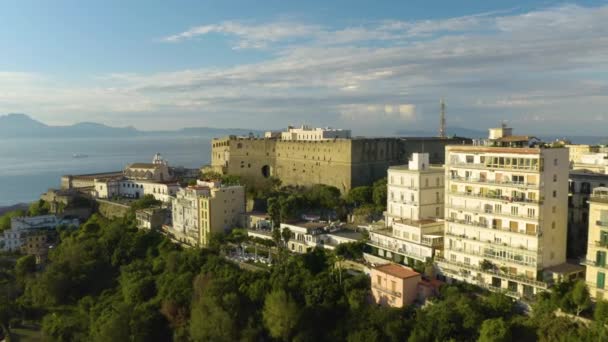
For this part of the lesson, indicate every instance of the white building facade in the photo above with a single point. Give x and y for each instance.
(506, 213)
(12, 239)
(414, 229)
(308, 133)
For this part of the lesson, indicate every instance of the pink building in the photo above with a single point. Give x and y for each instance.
(394, 285)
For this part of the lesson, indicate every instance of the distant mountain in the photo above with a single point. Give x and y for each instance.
(22, 126)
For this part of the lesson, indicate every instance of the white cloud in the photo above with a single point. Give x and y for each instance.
(549, 64)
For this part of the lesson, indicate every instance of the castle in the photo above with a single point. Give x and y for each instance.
(341, 162)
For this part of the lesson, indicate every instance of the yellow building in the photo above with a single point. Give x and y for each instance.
(220, 210)
(394, 285)
(597, 246)
(506, 213)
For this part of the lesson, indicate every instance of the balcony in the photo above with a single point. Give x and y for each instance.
(601, 244)
(493, 254)
(496, 245)
(480, 210)
(522, 185)
(522, 168)
(385, 290)
(537, 233)
(394, 248)
(513, 277)
(594, 263)
(601, 223)
(495, 197)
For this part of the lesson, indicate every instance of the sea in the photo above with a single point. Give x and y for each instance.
(29, 167)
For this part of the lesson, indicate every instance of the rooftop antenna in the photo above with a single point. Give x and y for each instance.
(442, 120)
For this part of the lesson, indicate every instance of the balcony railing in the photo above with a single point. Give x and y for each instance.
(594, 263)
(603, 244)
(395, 249)
(486, 226)
(513, 277)
(493, 256)
(481, 210)
(494, 182)
(385, 290)
(524, 168)
(496, 245)
(495, 197)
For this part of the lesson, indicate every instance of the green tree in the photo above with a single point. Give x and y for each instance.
(38, 208)
(494, 330)
(359, 195)
(25, 265)
(600, 314)
(580, 296)
(280, 314)
(380, 192)
(5, 220)
(274, 211)
(286, 235)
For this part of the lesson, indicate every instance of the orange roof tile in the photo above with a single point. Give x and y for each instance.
(397, 271)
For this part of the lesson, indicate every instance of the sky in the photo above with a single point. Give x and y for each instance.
(375, 67)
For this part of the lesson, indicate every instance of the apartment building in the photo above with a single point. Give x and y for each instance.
(506, 213)
(413, 231)
(220, 209)
(597, 247)
(581, 185)
(206, 208)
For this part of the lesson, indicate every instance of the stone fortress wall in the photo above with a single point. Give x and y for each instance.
(343, 163)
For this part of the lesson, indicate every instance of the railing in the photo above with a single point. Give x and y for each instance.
(385, 290)
(494, 256)
(431, 242)
(395, 249)
(481, 210)
(601, 223)
(486, 226)
(494, 182)
(521, 279)
(494, 166)
(503, 246)
(403, 202)
(495, 197)
(594, 264)
(601, 244)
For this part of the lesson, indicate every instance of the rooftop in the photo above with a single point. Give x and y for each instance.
(397, 271)
(433, 168)
(143, 166)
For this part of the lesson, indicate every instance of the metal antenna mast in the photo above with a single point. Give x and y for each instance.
(442, 133)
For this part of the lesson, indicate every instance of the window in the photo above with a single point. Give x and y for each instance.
(554, 209)
(555, 178)
(437, 197)
(531, 212)
(437, 212)
(378, 280)
(498, 208)
(601, 277)
(470, 159)
(600, 258)
(514, 211)
(467, 260)
(426, 182)
(393, 286)
(553, 225)
(555, 162)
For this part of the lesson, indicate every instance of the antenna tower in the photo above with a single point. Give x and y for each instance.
(442, 133)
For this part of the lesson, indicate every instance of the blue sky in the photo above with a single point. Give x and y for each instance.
(370, 66)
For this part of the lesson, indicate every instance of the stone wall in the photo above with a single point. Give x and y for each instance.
(111, 209)
(343, 163)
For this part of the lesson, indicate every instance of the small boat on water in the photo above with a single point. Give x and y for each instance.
(79, 155)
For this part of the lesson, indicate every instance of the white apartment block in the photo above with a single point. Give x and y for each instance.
(185, 209)
(597, 246)
(506, 213)
(307, 133)
(12, 239)
(414, 206)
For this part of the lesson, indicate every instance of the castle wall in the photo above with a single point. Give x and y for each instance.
(343, 163)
